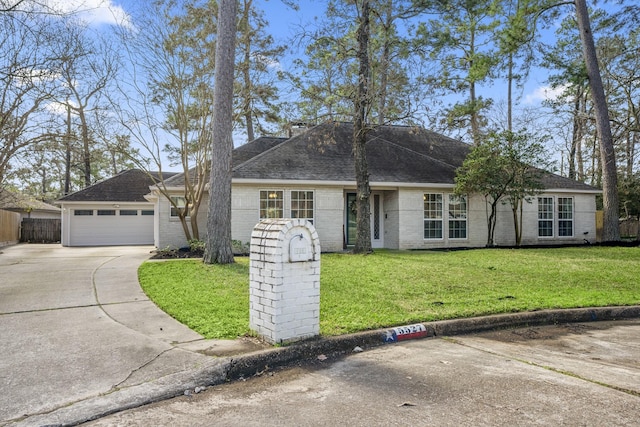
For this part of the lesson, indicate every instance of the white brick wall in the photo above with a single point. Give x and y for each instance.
(170, 231)
(403, 218)
(284, 296)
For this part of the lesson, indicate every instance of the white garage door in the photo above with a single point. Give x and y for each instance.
(111, 227)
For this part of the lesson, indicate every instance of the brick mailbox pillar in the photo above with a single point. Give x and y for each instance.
(285, 280)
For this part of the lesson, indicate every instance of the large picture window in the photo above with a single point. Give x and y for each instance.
(179, 203)
(302, 205)
(545, 216)
(271, 204)
(457, 217)
(565, 216)
(432, 216)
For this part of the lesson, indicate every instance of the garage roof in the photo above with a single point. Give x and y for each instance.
(127, 186)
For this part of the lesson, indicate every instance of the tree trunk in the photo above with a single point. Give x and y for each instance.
(363, 225)
(510, 93)
(491, 222)
(86, 153)
(67, 155)
(384, 64)
(576, 137)
(218, 248)
(611, 229)
(246, 71)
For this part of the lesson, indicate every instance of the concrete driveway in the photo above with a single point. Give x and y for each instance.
(74, 324)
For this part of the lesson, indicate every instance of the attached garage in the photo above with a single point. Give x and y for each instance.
(104, 226)
(110, 213)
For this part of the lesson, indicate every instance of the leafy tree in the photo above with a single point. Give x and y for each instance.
(526, 159)
(218, 249)
(256, 83)
(459, 38)
(327, 76)
(502, 169)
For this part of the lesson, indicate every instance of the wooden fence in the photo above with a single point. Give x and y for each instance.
(39, 230)
(629, 228)
(9, 227)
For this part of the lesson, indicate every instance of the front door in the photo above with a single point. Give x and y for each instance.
(377, 232)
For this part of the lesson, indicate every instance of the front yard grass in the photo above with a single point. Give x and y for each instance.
(392, 288)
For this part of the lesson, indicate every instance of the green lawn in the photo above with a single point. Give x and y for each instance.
(391, 288)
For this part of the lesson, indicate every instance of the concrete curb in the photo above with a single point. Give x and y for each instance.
(250, 364)
(227, 369)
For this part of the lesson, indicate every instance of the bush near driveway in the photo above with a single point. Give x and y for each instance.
(391, 288)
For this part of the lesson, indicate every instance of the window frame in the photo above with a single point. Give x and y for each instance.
(433, 220)
(565, 216)
(305, 202)
(268, 203)
(106, 212)
(543, 217)
(83, 212)
(173, 213)
(459, 216)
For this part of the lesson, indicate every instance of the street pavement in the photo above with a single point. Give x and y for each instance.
(585, 374)
(81, 342)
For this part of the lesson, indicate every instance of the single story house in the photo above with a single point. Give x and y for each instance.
(311, 176)
(111, 212)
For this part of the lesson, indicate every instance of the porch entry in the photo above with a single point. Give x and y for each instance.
(377, 231)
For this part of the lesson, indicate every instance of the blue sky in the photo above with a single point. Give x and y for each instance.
(285, 22)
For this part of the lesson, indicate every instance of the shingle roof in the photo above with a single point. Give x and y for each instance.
(324, 153)
(240, 155)
(17, 202)
(127, 186)
(395, 154)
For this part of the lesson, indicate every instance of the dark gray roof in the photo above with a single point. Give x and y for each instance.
(240, 155)
(398, 154)
(395, 154)
(11, 201)
(324, 153)
(127, 186)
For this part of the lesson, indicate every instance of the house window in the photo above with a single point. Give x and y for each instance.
(302, 205)
(83, 212)
(545, 216)
(432, 216)
(271, 204)
(565, 216)
(146, 212)
(179, 204)
(106, 212)
(128, 212)
(457, 217)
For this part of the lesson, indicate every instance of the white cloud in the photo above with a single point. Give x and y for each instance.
(95, 12)
(543, 93)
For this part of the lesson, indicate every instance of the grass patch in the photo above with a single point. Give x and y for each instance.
(391, 288)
